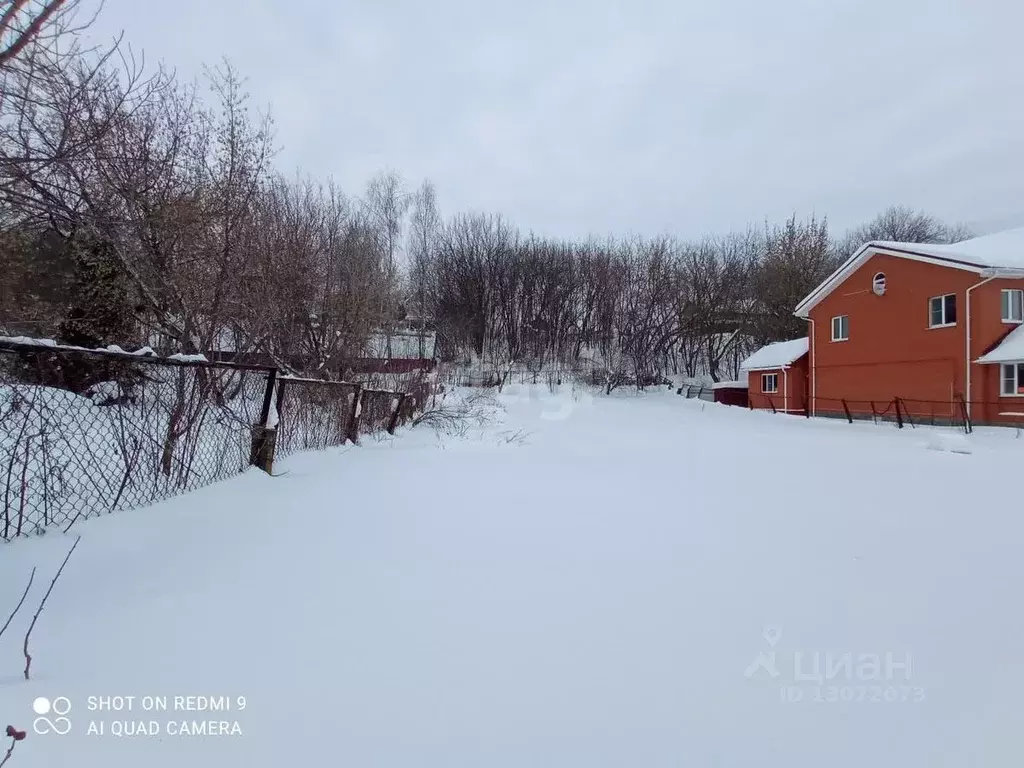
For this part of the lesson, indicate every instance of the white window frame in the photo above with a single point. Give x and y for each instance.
(1018, 379)
(841, 318)
(878, 284)
(1007, 304)
(764, 386)
(944, 323)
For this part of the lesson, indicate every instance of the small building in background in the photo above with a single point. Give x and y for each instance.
(731, 393)
(400, 350)
(777, 377)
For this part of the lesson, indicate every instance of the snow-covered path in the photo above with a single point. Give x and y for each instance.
(591, 595)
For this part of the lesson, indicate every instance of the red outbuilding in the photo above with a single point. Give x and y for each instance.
(777, 377)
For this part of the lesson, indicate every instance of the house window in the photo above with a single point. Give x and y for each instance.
(1013, 306)
(769, 383)
(942, 311)
(841, 328)
(878, 284)
(1013, 379)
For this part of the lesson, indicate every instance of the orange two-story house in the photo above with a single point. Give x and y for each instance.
(939, 326)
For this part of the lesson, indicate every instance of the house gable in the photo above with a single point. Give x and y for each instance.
(896, 325)
(1001, 253)
(865, 255)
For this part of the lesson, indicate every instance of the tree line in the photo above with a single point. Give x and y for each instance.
(639, 309)
(135, 208)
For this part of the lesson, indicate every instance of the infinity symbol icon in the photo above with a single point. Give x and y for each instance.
(60, 725)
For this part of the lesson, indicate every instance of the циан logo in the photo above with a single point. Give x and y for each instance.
(835, 676)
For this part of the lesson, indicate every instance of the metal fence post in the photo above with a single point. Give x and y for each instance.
(968, 427)
(846, 408)
(268, 396)
(906, 414)
(279, 400)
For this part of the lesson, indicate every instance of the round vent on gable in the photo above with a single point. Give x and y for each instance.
(878, 284)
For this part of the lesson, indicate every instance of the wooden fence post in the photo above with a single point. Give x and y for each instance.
(264, 438)
(899, 417)
(397, 412)
(353, 417)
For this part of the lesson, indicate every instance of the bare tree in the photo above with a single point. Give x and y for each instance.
(40, 22)
(424, 229)
(387, 204)
(901, 224)
(797, 256)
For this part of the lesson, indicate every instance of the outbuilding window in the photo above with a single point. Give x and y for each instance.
(1013, 379)
(769, 383)
(942, 311)
(1013, 306)
(841, 328)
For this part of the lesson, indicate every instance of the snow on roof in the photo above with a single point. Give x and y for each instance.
(777, 355)
(1000, 249)
(1009, 350)
(731, 385)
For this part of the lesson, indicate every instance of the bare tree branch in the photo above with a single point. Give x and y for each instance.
(20, 602)
(42, 604)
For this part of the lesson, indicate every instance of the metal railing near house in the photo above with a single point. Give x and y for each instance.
(903, 412)
(697, 391)
(88, 432)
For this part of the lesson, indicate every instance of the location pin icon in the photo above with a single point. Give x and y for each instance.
(772, 634)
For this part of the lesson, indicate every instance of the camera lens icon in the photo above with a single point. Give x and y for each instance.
(43, 707)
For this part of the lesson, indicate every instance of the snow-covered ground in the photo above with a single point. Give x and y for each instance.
(629, 581)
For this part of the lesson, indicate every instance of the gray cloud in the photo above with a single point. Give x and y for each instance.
(648, 116)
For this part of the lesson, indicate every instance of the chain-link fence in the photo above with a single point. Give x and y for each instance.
(84, 433)
(313, 414)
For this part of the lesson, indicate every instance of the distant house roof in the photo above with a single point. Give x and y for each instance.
(1001, 253)
(777, 355)
(730, 385)
(1009, 350)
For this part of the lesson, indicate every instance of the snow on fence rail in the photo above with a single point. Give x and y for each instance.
(88, 432)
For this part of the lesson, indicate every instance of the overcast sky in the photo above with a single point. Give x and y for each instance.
(647, 116)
